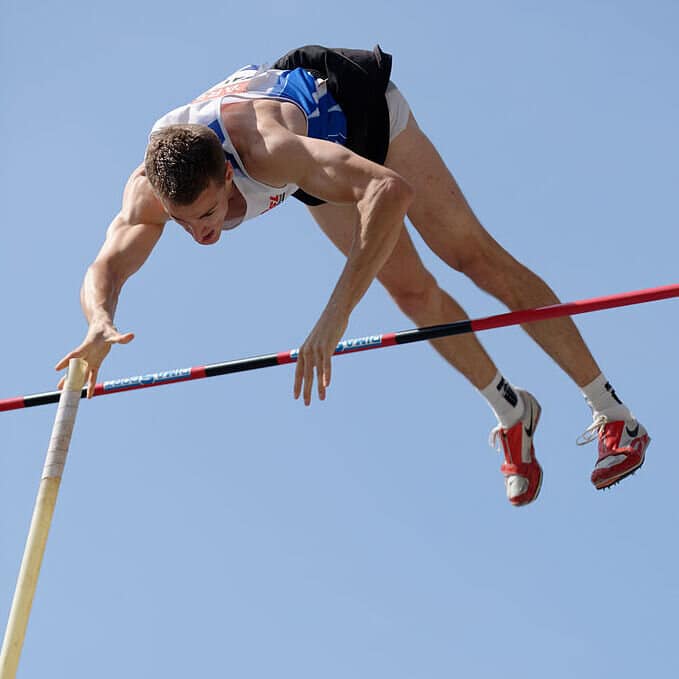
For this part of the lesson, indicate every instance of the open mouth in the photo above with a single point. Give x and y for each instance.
(209, 238)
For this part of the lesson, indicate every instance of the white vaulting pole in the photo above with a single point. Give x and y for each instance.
(42, 518)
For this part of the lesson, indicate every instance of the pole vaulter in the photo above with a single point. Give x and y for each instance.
(358, 344)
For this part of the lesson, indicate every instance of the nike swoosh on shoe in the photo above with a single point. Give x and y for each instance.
(529, 430)
(632, 433)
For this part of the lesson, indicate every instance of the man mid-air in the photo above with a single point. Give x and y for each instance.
(329, 127)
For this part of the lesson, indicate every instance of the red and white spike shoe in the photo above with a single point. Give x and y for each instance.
(522, 472)
(622, 449)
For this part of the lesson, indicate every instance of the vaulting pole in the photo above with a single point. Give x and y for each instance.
(42, 518)
(358, 344)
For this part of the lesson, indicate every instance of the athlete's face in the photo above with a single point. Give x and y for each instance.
(205, 217)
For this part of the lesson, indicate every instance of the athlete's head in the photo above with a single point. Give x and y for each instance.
(186, 167)
(181, 160)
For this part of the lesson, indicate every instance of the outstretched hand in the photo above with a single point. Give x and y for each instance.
(315, 355)
(94, 350)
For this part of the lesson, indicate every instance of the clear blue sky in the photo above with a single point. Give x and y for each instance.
(220, 529)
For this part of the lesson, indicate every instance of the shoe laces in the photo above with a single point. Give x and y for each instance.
(592, 432)
(495, 438)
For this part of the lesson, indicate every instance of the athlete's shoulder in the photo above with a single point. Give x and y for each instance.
(140, 203)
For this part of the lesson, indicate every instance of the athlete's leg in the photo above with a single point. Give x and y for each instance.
(444, 219)
(415, 291)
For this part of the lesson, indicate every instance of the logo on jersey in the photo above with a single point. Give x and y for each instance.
(221, 90)
(275, 200)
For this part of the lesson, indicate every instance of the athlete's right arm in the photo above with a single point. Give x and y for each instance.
(129, 241)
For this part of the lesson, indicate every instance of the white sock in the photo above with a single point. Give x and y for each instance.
(506, 403)
(603, 400)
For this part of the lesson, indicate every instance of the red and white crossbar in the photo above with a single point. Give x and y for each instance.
(358, 344)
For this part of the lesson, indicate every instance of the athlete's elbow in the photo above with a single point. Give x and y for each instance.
(398, 193)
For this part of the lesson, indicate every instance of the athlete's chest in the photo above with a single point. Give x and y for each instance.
(248, 129)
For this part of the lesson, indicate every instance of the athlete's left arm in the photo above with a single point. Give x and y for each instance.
(336, 175)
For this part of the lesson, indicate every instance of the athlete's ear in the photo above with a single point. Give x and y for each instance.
(228, 174)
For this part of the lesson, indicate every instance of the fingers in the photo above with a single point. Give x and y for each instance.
(308, 381)
(304, 375)
(122, 338)
(63, 363)
(323, 375)
(312, 364)
(91, 380)
(327, 371)
(94, 350)
(320, 382)
(299, 373)
(91, 383)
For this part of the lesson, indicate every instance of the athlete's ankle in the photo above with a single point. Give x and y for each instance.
(603, 400)
(504, 400)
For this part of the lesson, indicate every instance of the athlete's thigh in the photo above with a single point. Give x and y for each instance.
(338, 223)
(440, 211)
(403, 272)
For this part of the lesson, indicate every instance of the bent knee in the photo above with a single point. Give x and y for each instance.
(494, 270)
(412, 299)
(477, 258)
(473, 263)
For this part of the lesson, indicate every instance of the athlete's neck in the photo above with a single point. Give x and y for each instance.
(237, 207)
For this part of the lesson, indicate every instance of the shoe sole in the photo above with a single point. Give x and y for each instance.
(609, 483)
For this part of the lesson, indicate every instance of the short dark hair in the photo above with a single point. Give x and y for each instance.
(181, 160)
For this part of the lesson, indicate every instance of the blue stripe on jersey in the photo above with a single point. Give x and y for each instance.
(217, 129)
(234, 163)
(325, 118)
